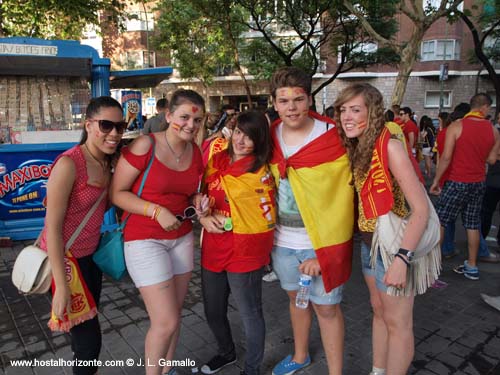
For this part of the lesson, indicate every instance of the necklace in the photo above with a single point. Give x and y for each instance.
(102, 163)
(177, 157)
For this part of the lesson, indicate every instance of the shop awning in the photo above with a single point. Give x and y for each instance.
(141, 78)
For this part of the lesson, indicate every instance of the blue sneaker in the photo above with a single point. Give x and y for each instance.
(288, 367)
(472, 273)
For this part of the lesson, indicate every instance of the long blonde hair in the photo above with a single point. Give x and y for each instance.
(360, 150)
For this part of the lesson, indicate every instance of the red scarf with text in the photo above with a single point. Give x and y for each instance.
(376, 193)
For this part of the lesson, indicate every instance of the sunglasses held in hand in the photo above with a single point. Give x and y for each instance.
(106, 126)
(189, 213)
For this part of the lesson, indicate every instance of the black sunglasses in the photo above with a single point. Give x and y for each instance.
(402, 113)
(189, 213)
(106, 126)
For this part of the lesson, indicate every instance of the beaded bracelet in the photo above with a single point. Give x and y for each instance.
(157, 213)
(155, 209)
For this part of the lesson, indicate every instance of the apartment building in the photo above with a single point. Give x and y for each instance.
(444, 44)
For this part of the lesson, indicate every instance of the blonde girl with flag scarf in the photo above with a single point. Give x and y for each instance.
(384, 180)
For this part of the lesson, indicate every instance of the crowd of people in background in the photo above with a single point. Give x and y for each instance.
(273, 188)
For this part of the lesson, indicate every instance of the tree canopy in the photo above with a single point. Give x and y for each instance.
(52, 19)
(421, 14)
(484, 23)
(208, 36)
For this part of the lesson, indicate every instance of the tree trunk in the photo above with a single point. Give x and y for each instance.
(478, 50)
(408, 57)
(236, 57)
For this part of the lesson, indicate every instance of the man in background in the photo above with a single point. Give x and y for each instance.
(157, 123)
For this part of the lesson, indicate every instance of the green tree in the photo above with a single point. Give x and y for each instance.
(198, 44)
(303, 33)
(52, 19)
(484, 26)
(422, 17)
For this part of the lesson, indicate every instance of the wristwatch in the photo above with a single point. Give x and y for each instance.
(409, 254)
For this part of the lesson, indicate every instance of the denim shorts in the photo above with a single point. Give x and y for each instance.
(286, 265)
(378, 272)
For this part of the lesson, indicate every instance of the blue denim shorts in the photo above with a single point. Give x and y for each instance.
(286, 265)
(378, 272)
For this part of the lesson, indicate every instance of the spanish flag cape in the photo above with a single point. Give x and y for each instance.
(251, 199)
(319, 174)
(82, 305)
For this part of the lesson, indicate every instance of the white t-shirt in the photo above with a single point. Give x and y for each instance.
(293, 236)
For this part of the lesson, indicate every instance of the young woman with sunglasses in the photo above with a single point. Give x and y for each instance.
(237, 239)
(385, 180)
(158, 234)
(77, 180)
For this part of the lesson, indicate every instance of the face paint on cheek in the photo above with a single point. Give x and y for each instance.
(175, 126)
(361, 125)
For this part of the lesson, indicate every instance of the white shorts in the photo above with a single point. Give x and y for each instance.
(151, 262)
(427, 151)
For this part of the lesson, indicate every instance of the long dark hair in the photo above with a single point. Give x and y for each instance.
(254, 125)
(94, 108)
(426, 123)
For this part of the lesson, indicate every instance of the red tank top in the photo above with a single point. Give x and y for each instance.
(82, 198)
(471, 151)
(164, 186)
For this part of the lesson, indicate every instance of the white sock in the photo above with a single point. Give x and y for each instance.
(378, 371)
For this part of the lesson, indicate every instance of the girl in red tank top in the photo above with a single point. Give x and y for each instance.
(158, 233)
(77, 180)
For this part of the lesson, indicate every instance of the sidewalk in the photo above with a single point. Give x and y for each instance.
(455, 331)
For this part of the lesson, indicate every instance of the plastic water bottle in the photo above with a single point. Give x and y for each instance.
(302, 299)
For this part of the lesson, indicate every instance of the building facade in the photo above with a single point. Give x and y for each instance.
(444, 45)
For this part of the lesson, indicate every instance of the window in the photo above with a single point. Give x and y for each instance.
(492, 44)
(148, 63)
(137, 22)
(432, 5)
(432, 99)
(361, 47)
(443, 49)
(493, 97)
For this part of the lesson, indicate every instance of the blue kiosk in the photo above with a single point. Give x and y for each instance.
(74, 73)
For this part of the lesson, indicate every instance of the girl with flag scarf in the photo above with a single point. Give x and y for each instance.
(79, 177)
(237, 239)
(384, 180)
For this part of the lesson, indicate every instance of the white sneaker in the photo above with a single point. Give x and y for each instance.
(492, 301)
(270, 277)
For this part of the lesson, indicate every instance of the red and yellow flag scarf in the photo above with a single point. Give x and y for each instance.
(475, 114)
(82, 307)
(319, 174)
(252, 202)
(376, 194)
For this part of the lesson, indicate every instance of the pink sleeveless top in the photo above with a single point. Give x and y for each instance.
(81, 200)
